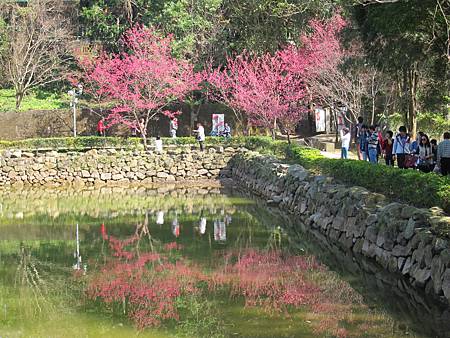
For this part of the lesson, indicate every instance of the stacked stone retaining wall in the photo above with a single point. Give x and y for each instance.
(112, 166)
(402, 239)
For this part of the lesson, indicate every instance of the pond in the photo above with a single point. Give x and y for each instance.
(174, 262)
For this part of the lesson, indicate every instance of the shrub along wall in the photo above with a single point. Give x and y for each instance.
(410, 186)
(90, 142)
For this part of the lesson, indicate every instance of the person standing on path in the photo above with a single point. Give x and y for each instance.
(401, 147)
(158, 144)
(363, 143)
(200, 135)
(425, 155)
(227, 131)
(386, 147)
(101, 127)
(357, 134)
(173, 127)
(372, 145)
(443, 154)
(345, 142)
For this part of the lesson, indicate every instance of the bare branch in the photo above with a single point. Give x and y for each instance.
(39, 37)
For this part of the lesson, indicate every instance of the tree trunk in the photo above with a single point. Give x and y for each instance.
(404, 97)
(274, 129)
(412, 107)
(19, 98)
(288, 137)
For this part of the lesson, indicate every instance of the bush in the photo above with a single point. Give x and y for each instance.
(409, 186)
(87, 142)
(77, 143)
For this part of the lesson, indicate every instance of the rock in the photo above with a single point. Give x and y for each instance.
(407, 212)
(407, 266)
(400, 250)
(368, 249)
(162, 174)
(439, 244)
(372, 219)
(16, 154)
(410, 227)
(437, 269)
(117, 177)
(421, 276)
(371, 233)
(202, 171)
(381, 239)
(85, 174)
(357, 247)
(338, 223)
(446, 284)
(105, 176)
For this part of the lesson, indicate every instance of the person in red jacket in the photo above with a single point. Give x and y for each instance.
(101, 127)
(386, 147)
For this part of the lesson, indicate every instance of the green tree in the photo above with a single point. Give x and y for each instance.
(195, 24)
(264, 25)
(409, 41)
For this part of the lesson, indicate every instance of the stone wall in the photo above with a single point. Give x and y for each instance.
(401, 239)
(111, 166)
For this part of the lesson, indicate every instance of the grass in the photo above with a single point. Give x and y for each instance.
(36, 100)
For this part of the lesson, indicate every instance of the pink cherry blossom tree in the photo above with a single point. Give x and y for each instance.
(261, 88)
(143, 80)
(272, 90)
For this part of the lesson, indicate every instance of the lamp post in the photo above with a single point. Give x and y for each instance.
(74, 93)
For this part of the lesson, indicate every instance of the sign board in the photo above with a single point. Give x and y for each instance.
(218, 121)
(320, 119)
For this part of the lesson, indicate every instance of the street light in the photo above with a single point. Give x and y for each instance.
(74, 93)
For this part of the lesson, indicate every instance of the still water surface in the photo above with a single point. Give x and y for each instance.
(211, 251)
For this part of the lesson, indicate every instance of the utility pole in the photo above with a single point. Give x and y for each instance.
(74, 94)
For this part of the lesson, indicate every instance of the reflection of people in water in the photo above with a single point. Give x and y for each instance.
(160, 217)
(103, 231)
(202, 225)
(142, 228)
(228, 219)
(176, 227)
(220, 231)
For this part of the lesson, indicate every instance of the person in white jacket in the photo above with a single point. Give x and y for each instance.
(345, 140)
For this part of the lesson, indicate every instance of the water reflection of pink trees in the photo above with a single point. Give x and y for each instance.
(148, 286)
(145, 285)
(267, 279)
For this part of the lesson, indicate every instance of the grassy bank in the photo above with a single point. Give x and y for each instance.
(37, 100)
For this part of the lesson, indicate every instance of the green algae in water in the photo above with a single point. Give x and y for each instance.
(41, 296)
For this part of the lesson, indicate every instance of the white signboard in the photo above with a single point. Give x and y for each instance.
(320, 119)
(218, 121)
